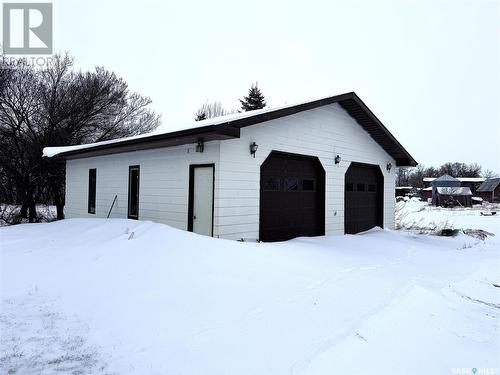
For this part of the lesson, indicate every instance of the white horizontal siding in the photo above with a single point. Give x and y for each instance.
(323, 132)
(164, 183)
(164, 175)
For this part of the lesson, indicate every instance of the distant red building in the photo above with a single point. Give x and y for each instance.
(489, 190)
(426, 193)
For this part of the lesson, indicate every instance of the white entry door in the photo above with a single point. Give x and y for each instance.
(202, 199)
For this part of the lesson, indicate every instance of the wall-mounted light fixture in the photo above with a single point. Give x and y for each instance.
(389, 167)
(337, 159)
(253, 148)
(200, 146)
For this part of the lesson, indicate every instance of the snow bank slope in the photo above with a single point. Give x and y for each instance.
(137, 297)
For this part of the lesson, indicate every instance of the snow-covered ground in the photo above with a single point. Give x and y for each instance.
(421, 214)
(122, 296)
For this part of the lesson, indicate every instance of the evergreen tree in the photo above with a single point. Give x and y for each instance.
(200, 116)
(254, 100)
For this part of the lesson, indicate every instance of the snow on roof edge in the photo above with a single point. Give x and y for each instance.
(52, 151)
(461, 179)
(447, 190)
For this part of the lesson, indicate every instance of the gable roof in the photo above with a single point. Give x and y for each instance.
(227, 127)
(489, 185)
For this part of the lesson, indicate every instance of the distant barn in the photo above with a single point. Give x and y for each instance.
(426, 193)
(443, 181)
(489, 190)
(470, 182)
(453, 196)
(457, 196)
(402, 191)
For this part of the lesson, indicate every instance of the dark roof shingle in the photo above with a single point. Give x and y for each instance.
(489, 185)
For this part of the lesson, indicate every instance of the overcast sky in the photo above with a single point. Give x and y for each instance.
(430, 70)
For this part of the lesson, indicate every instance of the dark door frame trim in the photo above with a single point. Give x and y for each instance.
(380, 189)
(321, 180)
(192, 168)
(138, 167)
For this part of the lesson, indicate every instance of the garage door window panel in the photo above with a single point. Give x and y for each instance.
(308, 185)
(272, 184)
(291, 184)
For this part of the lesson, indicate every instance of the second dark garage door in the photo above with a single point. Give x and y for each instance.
(363, 200)
(292, 197)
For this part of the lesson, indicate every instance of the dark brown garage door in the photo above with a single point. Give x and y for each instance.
(363, 198)
(292, 197)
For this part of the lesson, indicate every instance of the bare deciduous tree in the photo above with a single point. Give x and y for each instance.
(414, 176)
(489, 174)
(58, 106)
(460, 169)
(211, 110)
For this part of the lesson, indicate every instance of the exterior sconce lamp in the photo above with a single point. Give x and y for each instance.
(337, 159)
(389, 167)
(253, 148)
(200, 146)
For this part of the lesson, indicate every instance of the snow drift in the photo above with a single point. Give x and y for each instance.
(126, 296)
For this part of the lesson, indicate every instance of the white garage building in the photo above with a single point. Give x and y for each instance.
(320, 167)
